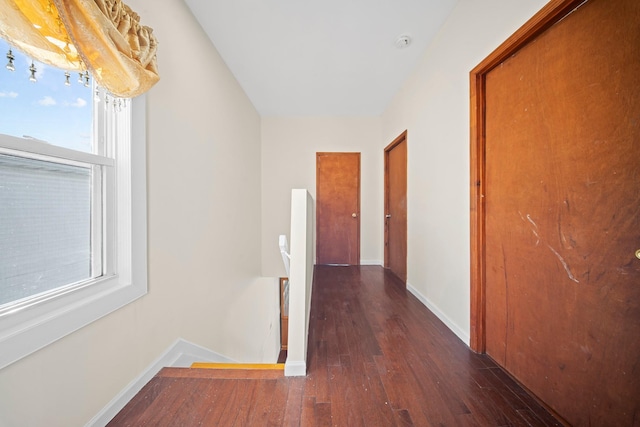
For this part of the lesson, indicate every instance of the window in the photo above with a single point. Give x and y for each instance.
(72, 206)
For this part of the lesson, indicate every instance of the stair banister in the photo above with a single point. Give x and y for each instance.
(284, 251)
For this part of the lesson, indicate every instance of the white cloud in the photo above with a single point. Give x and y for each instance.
(47, 101)
(8, 95)
(79, 103)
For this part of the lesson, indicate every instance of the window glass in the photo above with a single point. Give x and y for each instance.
(45, 232)
(48, 109)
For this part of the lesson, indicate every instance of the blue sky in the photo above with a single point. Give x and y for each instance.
(47, 109)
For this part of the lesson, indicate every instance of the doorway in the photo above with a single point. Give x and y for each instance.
(395, 207)
(338, 208)
(555, 209)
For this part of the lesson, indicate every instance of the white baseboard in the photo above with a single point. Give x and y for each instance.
(464, 336)
(296, 368)
(370, 262)
(179, 355)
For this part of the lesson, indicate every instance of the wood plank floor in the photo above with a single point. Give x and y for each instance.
(377, 357)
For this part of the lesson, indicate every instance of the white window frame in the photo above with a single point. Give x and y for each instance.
(35, 326)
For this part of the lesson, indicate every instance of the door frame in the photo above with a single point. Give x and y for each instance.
(551, 13)
(399, 139)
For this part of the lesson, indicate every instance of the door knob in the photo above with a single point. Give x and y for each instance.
(355, 215)
(387, 216)
(638, 254)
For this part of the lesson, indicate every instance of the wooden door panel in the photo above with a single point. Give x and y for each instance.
(337, 201)
(563, 214)
(396, 207)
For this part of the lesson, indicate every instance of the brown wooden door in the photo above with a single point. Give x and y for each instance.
(395, 202)
(562, 214)
(338, 208)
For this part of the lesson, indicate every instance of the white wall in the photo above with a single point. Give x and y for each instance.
(204, 241)
(433, 106)
(289, 146)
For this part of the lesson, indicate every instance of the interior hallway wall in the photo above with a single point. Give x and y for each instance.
(204, 240)
(433, 105)
(289, 146)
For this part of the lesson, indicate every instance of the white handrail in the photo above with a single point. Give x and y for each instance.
(284, 251)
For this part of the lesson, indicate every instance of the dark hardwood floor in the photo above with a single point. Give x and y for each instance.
(377, 357)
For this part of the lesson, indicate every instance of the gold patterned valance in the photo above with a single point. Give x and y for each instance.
(102, 36)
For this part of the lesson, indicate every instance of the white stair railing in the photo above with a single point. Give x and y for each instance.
(286, 259)
(284, 251)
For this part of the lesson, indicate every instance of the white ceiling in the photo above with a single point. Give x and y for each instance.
(325, 57)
